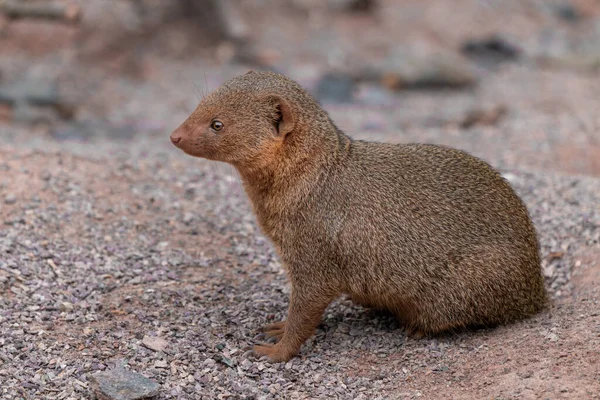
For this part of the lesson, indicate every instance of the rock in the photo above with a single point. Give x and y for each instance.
(29, 97)
(568, 12)
(155, 343)
(62, 12)
(45, 176)
(10, 199)
(439, 71)
(36, 92)
(209, 362)
(549, 271)
(512, 178)
(486, 117)
(66, 306)
(122, 384)
(335, 87)
(85, 130)
(375, 95)
(226, 361)
(553, 337)
(492, 49)
(352, 5)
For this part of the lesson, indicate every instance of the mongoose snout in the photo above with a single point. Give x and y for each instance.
(430, 233)
(175, 139)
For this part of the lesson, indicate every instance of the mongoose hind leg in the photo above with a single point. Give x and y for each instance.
(307, 305)
(414, 333)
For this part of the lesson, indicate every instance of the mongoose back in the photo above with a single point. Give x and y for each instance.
(428, 232)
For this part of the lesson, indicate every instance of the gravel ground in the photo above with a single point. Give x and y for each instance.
(116, 250)
(100, 252)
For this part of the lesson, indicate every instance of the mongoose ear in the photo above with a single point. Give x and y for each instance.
(285, 119)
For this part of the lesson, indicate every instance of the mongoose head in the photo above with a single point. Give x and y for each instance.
(245, 121)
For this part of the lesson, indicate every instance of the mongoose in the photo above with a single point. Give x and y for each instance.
(428, 232)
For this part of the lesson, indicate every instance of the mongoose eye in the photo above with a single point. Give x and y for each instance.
(216, 125)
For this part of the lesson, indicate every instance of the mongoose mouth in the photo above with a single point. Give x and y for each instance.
(191, 148)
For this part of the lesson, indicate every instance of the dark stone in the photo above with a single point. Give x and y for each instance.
(122, 384)
(493, 49)
(443, 71)
(354, 6)
(335, 87)
(568, 12)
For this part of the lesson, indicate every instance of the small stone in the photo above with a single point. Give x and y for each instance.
(160, 364)
(549, 270)
(65, 306)
(10, 199)
(190, 194)
(209, 362)
(512, 178)
(188, 218)
(525, 375)
(45, 176)
(553, 337)
(343, 328)
(122, 384)
(155, 343)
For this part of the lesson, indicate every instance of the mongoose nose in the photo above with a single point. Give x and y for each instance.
(175, 139)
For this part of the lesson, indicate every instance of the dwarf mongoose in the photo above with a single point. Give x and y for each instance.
(428, 232)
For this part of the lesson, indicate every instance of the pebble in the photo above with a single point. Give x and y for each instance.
(10, 199)
(122, 384)
(209, 362)
(155, 343)
(65, 306)
(553, 337)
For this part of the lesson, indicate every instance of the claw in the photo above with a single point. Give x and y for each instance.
(275, 330)
(273, 326)
(273, 351)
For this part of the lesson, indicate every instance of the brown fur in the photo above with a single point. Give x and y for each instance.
(431, 233)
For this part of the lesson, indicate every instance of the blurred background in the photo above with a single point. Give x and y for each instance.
(514, 81)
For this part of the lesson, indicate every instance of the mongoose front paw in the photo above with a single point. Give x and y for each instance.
(274, 351)
(274, 330)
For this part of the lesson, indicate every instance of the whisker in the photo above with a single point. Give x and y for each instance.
(205, 85)
(198, 90)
